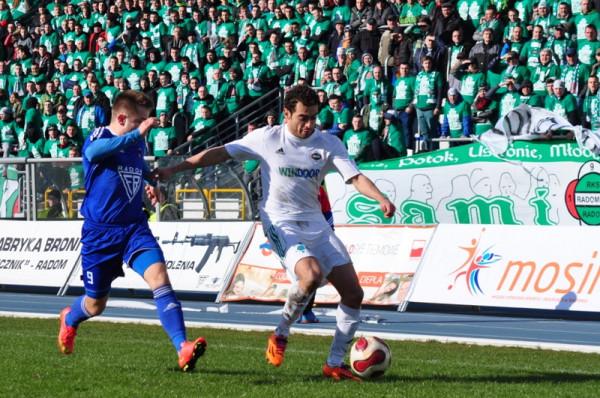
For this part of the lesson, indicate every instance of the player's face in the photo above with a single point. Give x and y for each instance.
(301, 122)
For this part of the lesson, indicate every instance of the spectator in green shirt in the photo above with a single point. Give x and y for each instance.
(591, 104)
(392, 136)
(574, 73)
(510, 97)
(404, 94)
(203, 127)
(64, 146)
(75, 170)
(358, 141)
(527, 95)
(48, 115)
(543, 71)
(587, 46)
(8, 132)
(233, 93)
(34, 142)
(74, 135)
(428, 99)
(257, 76)
(51, 143)
(563, 103)
(378, 86)
(161, 139)
(470, 77)
(340, 116)
(33, 117)
(166, 96)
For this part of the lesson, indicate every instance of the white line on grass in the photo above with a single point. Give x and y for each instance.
(328, 332)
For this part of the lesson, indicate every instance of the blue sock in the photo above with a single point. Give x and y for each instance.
(170, 314)
(78, 312)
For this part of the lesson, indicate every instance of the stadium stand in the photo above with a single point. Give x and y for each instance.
(384, 69)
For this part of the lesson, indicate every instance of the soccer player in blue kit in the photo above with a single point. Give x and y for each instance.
(115, 229)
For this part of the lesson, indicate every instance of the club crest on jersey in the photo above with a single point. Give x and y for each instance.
(315, 156)
(131, 177)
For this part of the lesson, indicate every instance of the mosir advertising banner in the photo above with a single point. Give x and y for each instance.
(197, 254)
(511, 266)
(385, 258)
(38, 253)
(539, 183)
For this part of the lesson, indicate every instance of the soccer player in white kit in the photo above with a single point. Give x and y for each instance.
(294, 159)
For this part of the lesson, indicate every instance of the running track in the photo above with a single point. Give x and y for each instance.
(571, 335)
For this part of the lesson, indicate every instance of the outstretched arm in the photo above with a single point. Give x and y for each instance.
(103, 148)
(366, 187)
(99, 149)
(207, 157)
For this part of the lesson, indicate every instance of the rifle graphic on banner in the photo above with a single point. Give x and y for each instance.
(212, 241)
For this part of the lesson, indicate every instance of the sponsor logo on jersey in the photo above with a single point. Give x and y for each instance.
(131, 177)
(298, 172)
(315, 156)
(280, 151)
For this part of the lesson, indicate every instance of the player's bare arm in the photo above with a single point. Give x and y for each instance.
(208, 157)
(366, 187)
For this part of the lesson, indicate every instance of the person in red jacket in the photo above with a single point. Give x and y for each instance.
(97, 33)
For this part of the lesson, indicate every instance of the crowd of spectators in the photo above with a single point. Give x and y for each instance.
(385, 70)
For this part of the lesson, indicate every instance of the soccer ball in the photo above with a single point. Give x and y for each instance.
(370, 357)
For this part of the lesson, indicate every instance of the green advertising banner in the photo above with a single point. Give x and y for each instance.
(535, 183)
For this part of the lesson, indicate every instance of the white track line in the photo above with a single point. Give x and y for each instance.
(327, 332)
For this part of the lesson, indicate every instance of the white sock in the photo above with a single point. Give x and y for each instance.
(293, 308)
(347, 320)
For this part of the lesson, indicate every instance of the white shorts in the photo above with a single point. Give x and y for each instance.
(294, 240)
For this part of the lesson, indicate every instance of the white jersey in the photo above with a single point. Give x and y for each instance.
(292, 169)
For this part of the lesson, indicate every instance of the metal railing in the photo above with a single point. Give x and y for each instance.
(235, 125)
(231, 174)
(53, 188)
(220, 192)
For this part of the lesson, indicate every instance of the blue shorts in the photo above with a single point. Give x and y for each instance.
(106, 247)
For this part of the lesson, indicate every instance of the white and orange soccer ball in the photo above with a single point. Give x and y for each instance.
(370, 357)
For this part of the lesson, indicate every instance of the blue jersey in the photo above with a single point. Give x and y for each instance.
(114, 170)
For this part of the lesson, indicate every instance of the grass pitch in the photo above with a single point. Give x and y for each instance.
(127, 360)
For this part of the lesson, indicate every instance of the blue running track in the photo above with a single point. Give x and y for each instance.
(571, 335)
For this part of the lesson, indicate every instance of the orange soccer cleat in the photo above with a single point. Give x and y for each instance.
(341, 372)
(66, 333)
(190, 352)
(276, 349)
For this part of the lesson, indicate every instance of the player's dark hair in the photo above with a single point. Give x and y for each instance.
(303, 94)
(131, 101)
